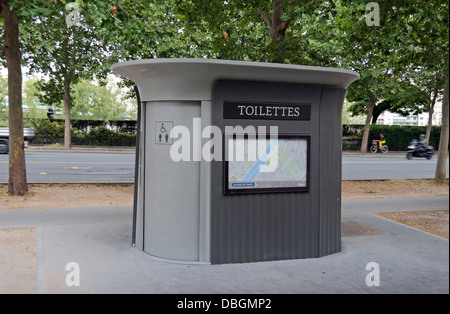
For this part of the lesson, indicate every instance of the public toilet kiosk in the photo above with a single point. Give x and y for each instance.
(196, 201)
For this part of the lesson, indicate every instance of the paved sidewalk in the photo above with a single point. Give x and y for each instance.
(98, 240)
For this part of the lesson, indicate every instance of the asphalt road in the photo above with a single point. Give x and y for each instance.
(64, 167)
(371, 168)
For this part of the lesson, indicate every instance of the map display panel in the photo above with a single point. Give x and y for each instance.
(274, 164)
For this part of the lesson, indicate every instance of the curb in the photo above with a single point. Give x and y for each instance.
(76, 149)
(375, 155)
(396, 154)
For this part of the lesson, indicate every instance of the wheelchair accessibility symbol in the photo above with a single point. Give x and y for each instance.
(162, 133)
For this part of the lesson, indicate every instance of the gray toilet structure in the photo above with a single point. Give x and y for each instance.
(198, 210)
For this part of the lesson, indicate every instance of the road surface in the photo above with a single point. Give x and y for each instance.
(63, 167)
(371, 168)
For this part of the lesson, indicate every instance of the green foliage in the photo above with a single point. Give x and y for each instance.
(369, 50)
(121, 126)
(270, 31)
(95, 138)
(48, 132)
(3, 93)
(101, 132)
(3, 88)
(412, 37)
(353, 130)
(51, 92)
(26, 10)
(33, 108)
(399, 137)
(351, 143)
(409, 45)
(403, 98)
(96, 101)
(407, 99)
(65, 53)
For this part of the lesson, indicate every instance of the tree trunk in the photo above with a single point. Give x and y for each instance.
(430, 116)
(441, 167)
(17, 184)
(67, 135)
(365, 138)
(278, 27)
(375, 117)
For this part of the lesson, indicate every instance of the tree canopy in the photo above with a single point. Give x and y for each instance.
(399, 47)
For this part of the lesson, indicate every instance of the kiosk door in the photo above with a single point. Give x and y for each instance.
(172, 189)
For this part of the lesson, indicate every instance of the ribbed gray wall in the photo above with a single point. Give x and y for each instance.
(330, 170)
(264, 227)
(274, 226)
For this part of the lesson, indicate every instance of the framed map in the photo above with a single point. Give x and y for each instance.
(254, 165)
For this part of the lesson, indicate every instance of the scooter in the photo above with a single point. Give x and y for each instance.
(414, 151)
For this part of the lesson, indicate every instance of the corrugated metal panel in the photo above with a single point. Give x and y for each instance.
(263, 227)
(330, 171)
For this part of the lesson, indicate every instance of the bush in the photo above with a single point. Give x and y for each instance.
(352, 129)
(351, 143)
(102, 132)
(121, 126)
(47, 132)
(104, 137)
(399, 137)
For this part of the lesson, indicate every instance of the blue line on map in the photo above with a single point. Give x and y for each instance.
(256, 166)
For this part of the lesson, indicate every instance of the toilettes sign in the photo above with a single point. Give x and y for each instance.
(266, 111)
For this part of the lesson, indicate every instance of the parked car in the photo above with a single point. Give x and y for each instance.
(28, 134)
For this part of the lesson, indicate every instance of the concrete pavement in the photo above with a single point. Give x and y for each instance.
(98, 240)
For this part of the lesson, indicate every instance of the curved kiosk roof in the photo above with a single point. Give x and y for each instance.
(192, 79)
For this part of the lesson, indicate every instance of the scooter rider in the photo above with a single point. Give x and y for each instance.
(419, 148)
(422, 144)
